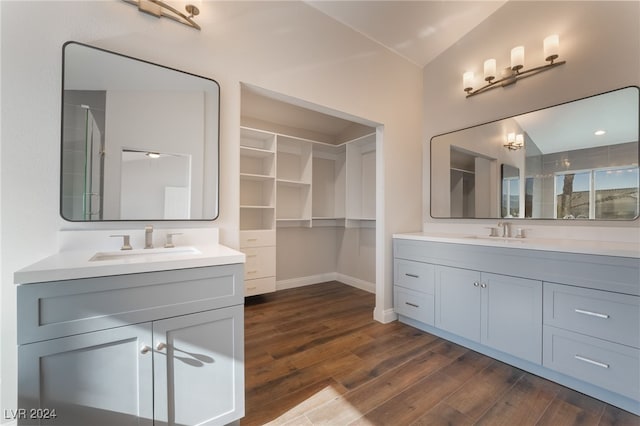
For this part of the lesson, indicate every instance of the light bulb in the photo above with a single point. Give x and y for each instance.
(517, 58)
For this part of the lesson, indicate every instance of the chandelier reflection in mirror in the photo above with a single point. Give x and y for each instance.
(516, 71)
(159, 8)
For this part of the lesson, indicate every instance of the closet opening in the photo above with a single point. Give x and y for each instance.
(310, 191)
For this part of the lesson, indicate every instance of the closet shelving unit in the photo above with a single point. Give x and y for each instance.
(361, 182)
(257, 209)
(293, 177)
(287, 181)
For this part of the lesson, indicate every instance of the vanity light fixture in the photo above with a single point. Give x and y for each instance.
(514, 141)
(516, 71)
(159, 8)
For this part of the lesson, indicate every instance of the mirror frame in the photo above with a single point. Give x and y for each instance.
(580, 221)
(143, 61)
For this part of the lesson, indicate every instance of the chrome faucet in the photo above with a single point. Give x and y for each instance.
(148, 236)
(505, 228)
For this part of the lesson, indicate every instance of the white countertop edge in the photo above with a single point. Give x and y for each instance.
(69, 265)
(600, 248)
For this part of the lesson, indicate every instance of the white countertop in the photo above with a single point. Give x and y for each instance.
(69, 265)
(602, 248)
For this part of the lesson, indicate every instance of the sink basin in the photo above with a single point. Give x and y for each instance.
(146, 255)
(497, 239)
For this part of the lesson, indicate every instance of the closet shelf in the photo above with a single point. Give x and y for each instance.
(293, 183)
(256, 152)
(255, 207)
(256, 177)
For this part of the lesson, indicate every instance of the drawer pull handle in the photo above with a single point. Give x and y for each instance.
(413, 275)
(252, 272)
(251, 288)
(252, 239)
(590, 361)
(251, 255)
(412, 304)
(592, 314)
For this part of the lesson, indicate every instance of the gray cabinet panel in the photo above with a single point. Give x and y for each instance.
(512, 316)
(100, 378)
(416, 276)
(618, 274)
(610, 316)
(611, 366)
(458, 301)
(199, 374)
(414, 304)
(61, 308)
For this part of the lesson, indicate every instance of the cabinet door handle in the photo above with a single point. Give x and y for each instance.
(412, 304)
(412, 275)
(476, 284)
(590, 361)
(144, 349)
(590, 313)
(160, 346)
(483, 285)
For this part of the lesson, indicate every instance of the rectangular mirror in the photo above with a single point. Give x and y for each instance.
(139, 140)
(577, 160)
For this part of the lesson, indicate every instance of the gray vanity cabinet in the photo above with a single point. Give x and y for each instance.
(570, 317)
(498, 311)
(157, 348)
(196, 360)
(98, 379)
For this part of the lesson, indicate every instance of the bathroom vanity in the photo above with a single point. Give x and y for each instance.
(150, 338)
(566, 311)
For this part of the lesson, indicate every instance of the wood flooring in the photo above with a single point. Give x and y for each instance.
(315, 356)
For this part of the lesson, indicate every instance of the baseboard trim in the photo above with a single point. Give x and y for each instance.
(321, 278)
(356, 282)
(384, 316)
(304, 281)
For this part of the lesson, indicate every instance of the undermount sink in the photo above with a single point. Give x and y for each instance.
(497, 239)
(146, 255)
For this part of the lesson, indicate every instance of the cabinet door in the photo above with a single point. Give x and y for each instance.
(458, 301)
(512, 315)
(199, 368)
(99, 378)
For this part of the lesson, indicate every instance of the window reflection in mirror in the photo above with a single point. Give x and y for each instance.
(510, 191)
(579, 162)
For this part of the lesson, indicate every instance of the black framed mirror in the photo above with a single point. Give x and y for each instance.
(577, 160)
(139, 141)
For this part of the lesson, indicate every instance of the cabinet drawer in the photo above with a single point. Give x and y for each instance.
(609, 316)
(260, 238)
(259, 286)
(260, 263)
(414, 304)
(414, 275)
(62, 308)
(608, 365)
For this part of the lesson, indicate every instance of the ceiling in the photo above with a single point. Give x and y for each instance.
(417, 30)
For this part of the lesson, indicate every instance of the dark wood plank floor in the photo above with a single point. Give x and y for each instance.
(314, 355)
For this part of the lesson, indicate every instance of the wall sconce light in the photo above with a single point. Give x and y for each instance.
(514, 141)
(516, 71)
(159, 8)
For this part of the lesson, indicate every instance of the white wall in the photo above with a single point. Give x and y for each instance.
(599, 41)
(287, 47)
